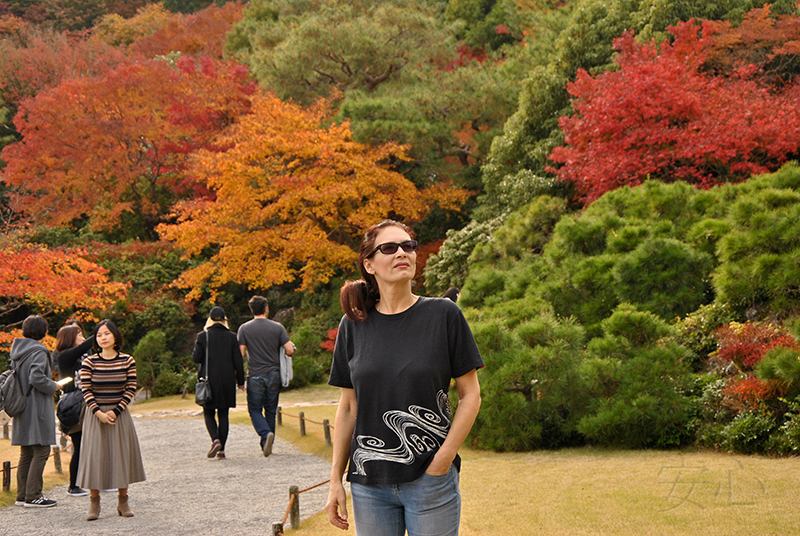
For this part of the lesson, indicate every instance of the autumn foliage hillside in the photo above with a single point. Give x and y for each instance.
(611, 182)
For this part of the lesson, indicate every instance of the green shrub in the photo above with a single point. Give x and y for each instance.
(637, 384)
(781, 364)
(189, 378)
(152, 358)
(695, 332)
(524, 233)
(308, 335)
(664, 276)
(449, 266)
(789, 434)
(307, 370)
(168, 383)
(640, 328)
(531, 393)
(749, 432)
(758, 267)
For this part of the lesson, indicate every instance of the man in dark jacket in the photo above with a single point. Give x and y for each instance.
(34, 430)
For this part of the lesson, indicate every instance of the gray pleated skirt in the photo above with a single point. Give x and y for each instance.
(110, 455)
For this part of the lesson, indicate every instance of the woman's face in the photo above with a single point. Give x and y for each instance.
(105, 339)
(79, 338)
(397, 267)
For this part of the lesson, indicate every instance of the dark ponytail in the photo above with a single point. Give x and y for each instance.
(358, 297)
(356, 300)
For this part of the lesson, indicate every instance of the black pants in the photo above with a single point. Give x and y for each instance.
(76, 456)
(214, 430)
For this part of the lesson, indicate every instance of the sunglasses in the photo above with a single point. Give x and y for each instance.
(390, 248)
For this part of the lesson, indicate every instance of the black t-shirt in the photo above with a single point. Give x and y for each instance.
(400, 367)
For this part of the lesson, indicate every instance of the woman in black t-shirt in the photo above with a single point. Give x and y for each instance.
(394, 358)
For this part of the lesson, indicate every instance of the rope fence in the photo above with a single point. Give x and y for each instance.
(56, 455)
(293, 509)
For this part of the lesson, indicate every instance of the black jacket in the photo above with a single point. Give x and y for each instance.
(69, 362)
(225, 365)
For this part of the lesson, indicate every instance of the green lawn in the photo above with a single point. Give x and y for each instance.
(571, 492)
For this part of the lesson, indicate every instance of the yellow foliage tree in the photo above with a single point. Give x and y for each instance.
(291, 199)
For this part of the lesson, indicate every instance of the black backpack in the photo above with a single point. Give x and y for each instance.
(69, 409)
(12, 399)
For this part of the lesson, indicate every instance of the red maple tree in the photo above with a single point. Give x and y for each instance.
(100, 146)
(665, 115)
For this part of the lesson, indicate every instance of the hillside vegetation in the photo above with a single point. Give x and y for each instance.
(612, 183)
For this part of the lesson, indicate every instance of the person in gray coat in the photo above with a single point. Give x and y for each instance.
(34, 430)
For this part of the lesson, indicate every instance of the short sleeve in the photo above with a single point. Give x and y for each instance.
(342, 352)
(464, 354)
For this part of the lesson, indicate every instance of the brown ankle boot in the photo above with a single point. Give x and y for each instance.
(94, 508)
(122, 507)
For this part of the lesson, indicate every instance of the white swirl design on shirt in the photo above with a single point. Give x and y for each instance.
(420, 430)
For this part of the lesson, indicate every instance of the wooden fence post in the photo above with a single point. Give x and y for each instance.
(302, 427)
(6, 476)
(294, 512)
(280, 418)
(57, 459)
(326, 424)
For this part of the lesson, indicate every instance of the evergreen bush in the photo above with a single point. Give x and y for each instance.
(530, 389)
(637, 384)
(168, 383)
(749, 432)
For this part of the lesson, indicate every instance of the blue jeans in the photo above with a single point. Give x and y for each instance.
(428, 506)
(262, 402)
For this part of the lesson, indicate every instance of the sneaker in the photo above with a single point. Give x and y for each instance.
(216, 446)
(268, 444)
(19, 503)
(221, 455)
(77, 492)
(40, 502)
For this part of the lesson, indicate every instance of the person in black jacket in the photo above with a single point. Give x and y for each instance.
(70, 349)
(225, 372)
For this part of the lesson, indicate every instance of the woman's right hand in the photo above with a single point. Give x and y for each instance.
(105, 418)
(337, 506)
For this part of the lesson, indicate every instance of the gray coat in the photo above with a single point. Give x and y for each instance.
(37, 424)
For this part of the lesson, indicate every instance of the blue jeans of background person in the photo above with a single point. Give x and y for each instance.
(430, 506)
(262, 402)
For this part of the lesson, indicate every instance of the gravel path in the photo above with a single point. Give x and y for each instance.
(186, 493)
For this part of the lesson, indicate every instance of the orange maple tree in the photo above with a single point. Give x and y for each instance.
(154, 30)
(291, 199)
(97, 147)
(202, 33)
(54, 279)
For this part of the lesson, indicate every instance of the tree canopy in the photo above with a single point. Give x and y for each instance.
(105, 146)
(662, 116)
(290, 200)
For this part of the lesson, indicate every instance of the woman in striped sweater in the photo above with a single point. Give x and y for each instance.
(110, 456)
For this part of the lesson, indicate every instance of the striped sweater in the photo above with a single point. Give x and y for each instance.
(108, 381)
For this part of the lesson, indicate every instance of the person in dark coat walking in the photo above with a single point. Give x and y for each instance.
(34, 429)
(225, 372)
